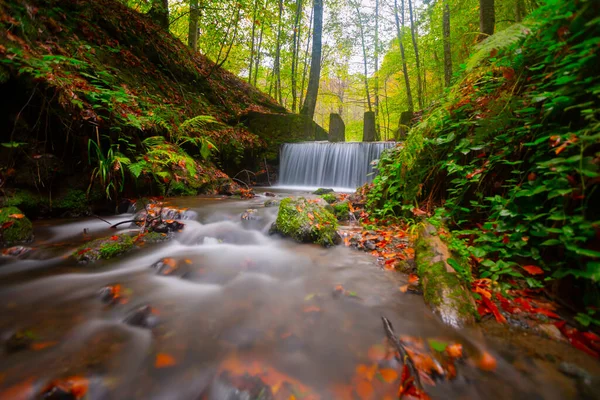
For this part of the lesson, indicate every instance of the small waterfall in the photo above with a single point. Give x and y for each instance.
(324, 164)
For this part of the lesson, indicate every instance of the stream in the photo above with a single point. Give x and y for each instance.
(229, 298)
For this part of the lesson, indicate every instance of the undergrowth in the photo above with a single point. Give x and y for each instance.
(513, 152)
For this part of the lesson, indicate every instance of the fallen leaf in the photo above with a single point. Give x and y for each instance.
(17, 216)
(388, 374)
(487, 362)
(42, 345)
(164, 360)
(364, 389)
(533, 269)
(454, 350)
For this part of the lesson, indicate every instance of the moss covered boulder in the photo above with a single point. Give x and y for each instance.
(306, 221)
(15, 227)
(342, 211)
(443, 289)
(329, 198)
(103, 248)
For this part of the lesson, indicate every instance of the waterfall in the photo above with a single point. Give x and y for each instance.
(330, 165)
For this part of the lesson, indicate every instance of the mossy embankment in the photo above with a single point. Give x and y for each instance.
(92, 82)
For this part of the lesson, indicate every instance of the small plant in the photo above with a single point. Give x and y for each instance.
(108, 170)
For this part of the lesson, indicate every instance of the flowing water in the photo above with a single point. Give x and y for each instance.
(236, 296)
(323, 164)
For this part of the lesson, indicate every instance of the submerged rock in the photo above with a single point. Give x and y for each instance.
(16, 251)
(250, 215)
(272, 203)
(306, 222)
(321, 191)
(104, 248)
(15, 227)
(143, 317)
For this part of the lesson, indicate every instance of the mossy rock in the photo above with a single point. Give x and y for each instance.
(443, 289)
(321, 191)
(14, 227)
(306, 222)
(329, 198)
(342, 211)
(72, 203)
(103, 248)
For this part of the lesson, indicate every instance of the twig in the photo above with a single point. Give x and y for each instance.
(406, 360)
(123, 222)
(101, 219)
(240, 181)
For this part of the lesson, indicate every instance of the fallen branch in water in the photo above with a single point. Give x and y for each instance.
(411, 384)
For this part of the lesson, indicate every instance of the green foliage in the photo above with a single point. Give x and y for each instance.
(109, 168)
(14, 227)
(512, 154)
(329, 198)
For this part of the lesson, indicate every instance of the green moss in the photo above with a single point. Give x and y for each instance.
(181, 189)
(306, 222)
(341, 211)
(155, 237)
(329, 198)
(321, 191)
(74, 201)
(30, 203)
(13, 229)
(104, 248)
(440, 286)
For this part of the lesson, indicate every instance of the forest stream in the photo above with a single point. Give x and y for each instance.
(204, 314)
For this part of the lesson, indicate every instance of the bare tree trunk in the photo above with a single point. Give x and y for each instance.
(519, 10)
(258, 52)
(404, 67)
(295, 41)
(364, 49)
(277, 65)
(235, 24)
(315, 63)
(377, 124)
(416, 47)
(447, 48)
(305, 72)
(193, 25)
(487, 18)
(159, 12)
(251, 64)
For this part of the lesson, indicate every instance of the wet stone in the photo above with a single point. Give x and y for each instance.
(58, 393)
(272, 203)
(16, 251)
(370, 245)
(321, 191)
(250, 215)
(143, 317)
(168, 226)
(269, 194)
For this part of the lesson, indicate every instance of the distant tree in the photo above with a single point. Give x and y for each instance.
(310, 103)
(159, 12)
(487, 18)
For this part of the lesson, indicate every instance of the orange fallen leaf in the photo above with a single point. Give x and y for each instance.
(188, 261)
(454, 350)
(366, 372)
(170, 262)
(164, 360)
(42, 345)
(311, 216)
(309, 309)
(533, 269)
(413, 279)
(17, 216)
(404, 288)
(487, 362)
(388, 374)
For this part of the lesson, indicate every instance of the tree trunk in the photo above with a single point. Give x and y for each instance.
(258, 51)
(364, 49)
(251, 64)
(277, 64)
(376, 89)
(447, 48)
(295, 42)
(416, 47)
(404, 67)
(308, 37)
(159, 12)
(193, 25)
(487, 18)
(315, 63)
(519, 10)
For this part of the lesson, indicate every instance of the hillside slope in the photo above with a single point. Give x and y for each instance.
(86, 81)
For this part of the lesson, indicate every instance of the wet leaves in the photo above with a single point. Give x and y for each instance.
(533, 269)
(74, 387)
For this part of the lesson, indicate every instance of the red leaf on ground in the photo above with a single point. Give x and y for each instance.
(533, 269)
(164, 360)
(490, 304)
